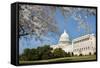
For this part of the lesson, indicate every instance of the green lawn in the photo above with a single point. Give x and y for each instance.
(65, 59)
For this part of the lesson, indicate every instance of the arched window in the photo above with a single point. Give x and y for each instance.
(84, 48)
(92, 47)
(74, 49)
(88, 47)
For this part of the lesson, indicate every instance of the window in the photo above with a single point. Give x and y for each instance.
(88, 47)
(84, 48)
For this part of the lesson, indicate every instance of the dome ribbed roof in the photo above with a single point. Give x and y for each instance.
(64, 37)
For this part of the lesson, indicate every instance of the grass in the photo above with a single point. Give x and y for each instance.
(65, 59)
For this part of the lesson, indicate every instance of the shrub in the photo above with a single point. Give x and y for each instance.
(58, 52)
(80, 55)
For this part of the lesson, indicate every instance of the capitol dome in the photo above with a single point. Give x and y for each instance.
(64, 37)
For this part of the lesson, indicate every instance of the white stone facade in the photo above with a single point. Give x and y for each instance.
(84, 45)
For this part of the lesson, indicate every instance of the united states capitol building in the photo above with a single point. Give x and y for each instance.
(84, 45)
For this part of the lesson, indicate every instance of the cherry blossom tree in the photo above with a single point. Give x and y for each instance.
(39, 20)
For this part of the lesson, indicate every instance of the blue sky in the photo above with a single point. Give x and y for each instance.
(70, 25)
